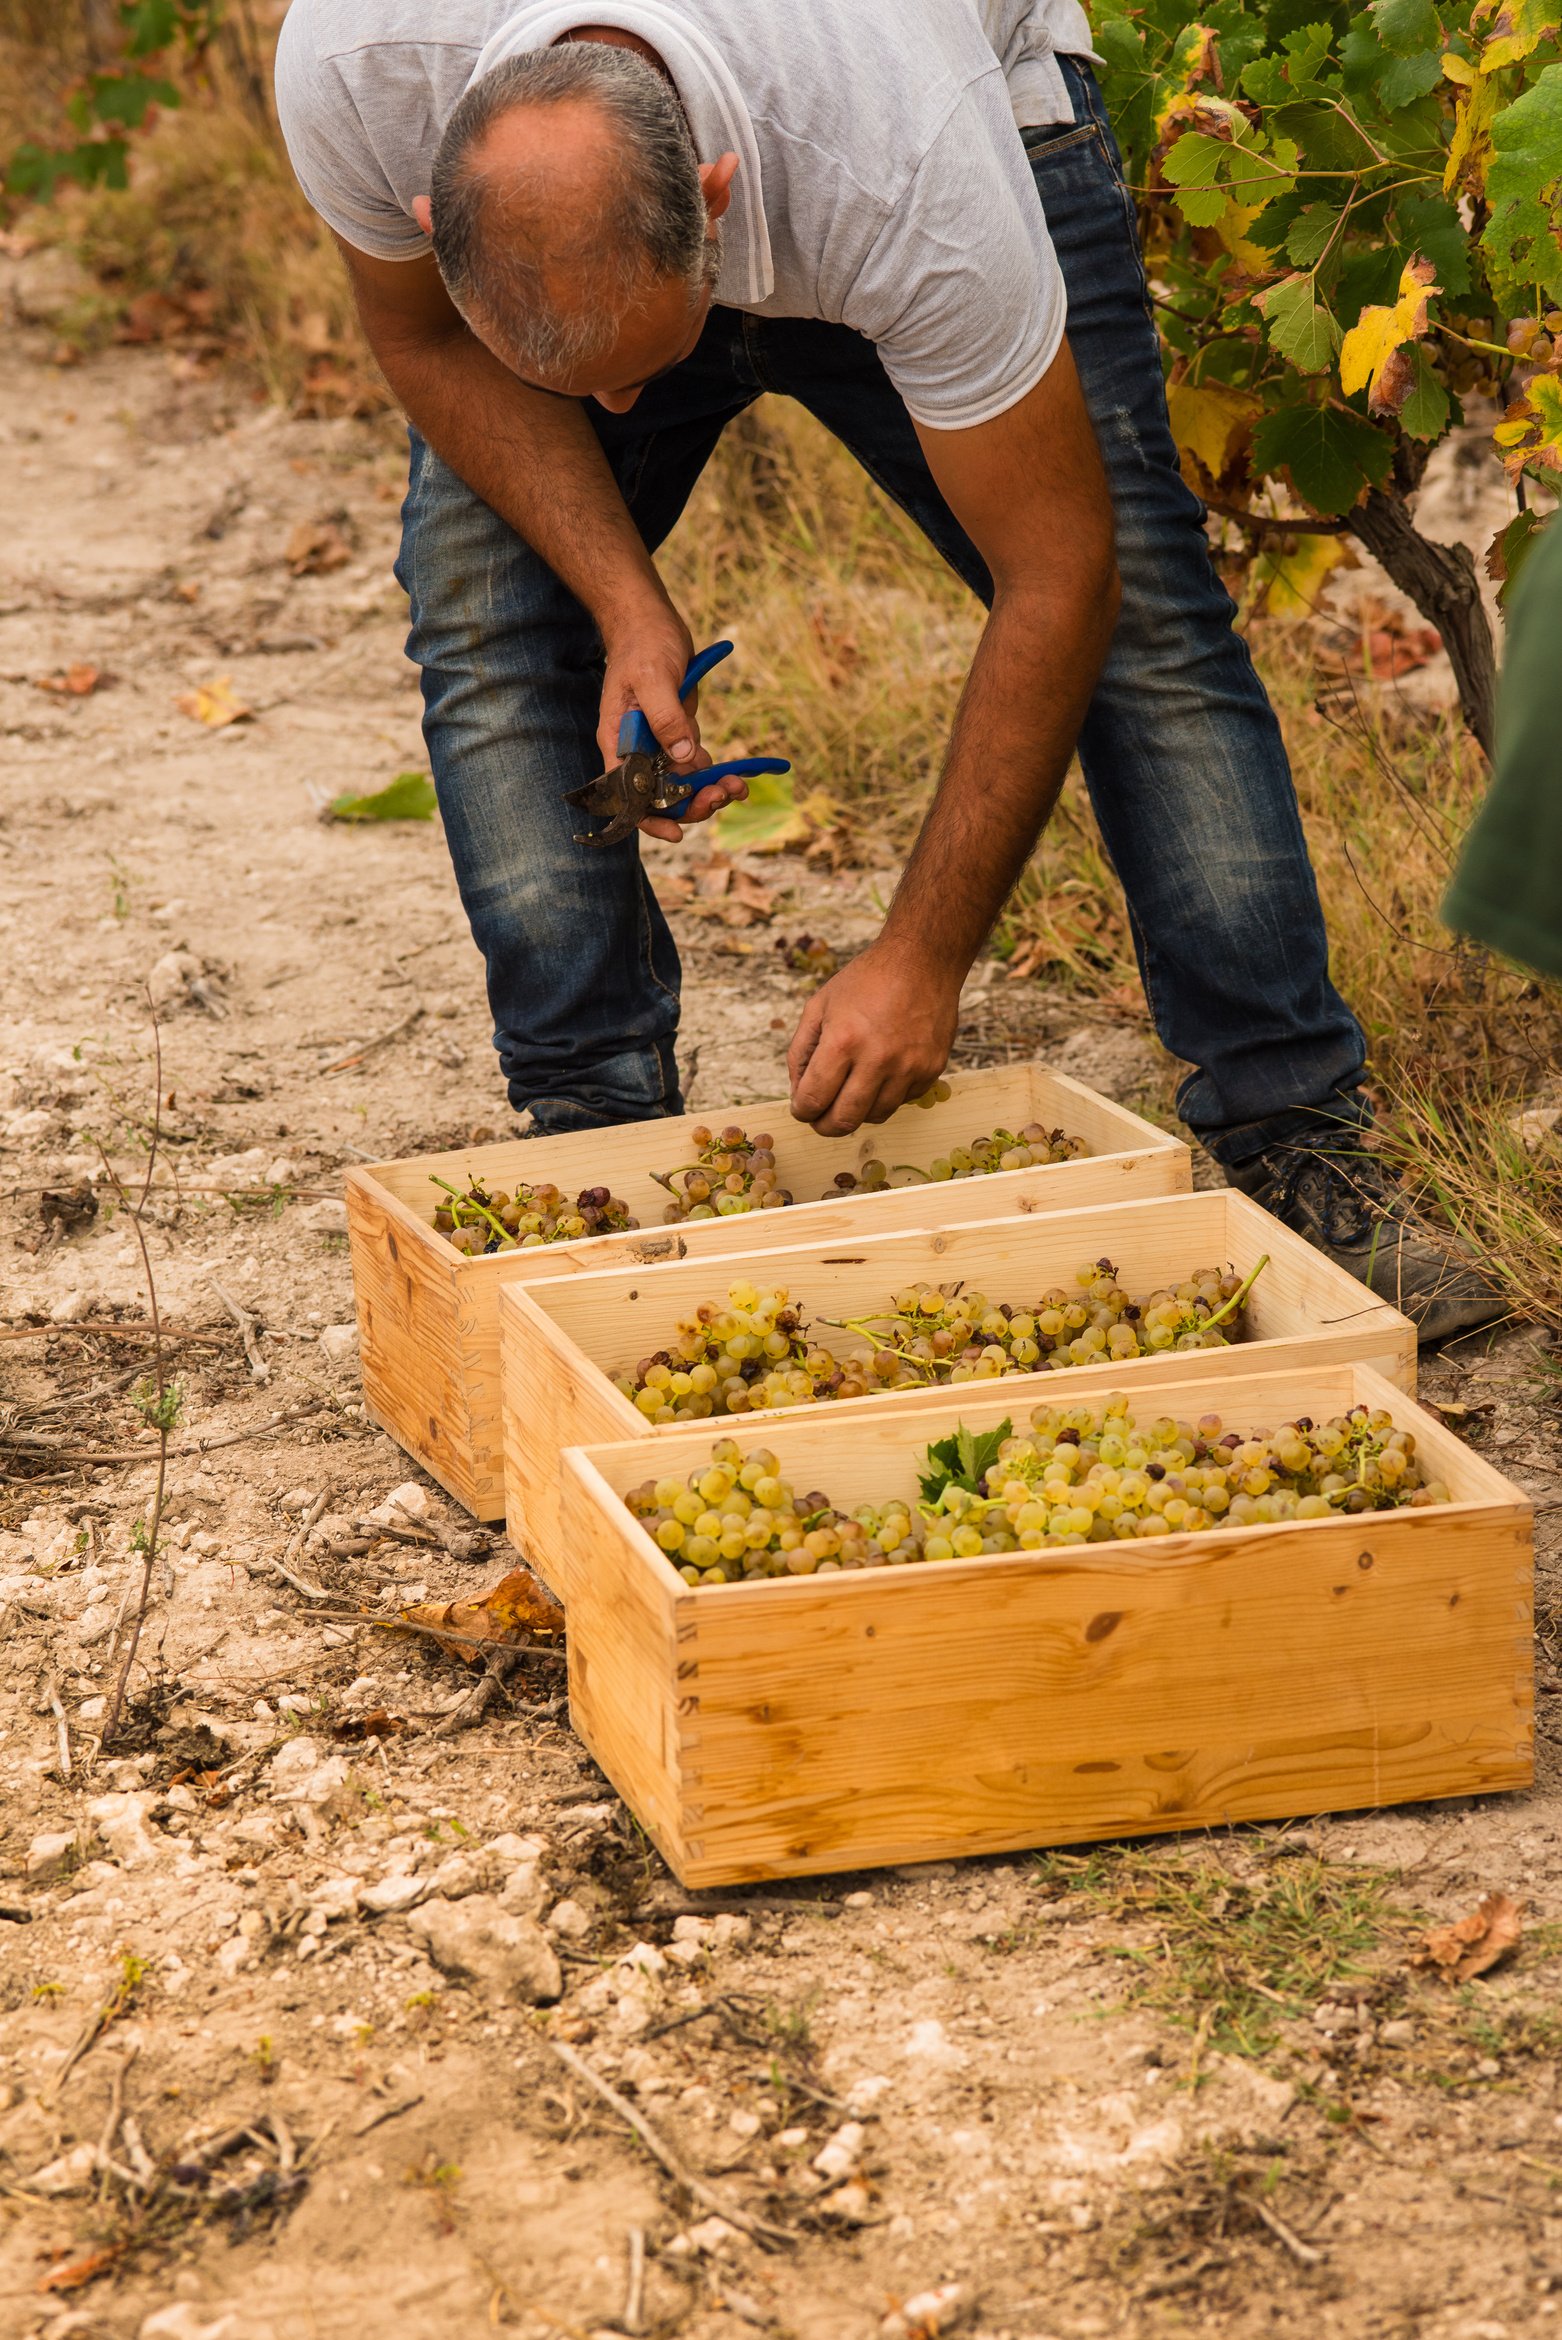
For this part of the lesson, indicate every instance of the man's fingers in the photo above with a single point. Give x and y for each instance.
(672, 722)
(853, 1104)
(711, 800)
(820, 1081)
(804, 1041)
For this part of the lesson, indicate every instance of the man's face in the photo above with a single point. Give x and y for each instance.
(658, 333)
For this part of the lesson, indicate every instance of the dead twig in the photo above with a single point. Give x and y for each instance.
(61, 1730)
(1305, 2254)
(386, 2112)
(249, 1331)
(634, 2290)
(660, 2150)
(112, 1331)
(164, 1411)
(382, 1040)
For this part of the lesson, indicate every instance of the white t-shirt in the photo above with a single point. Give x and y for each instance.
(882, 183)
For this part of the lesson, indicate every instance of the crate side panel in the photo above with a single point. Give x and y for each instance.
(1273, 1674)
(552, 1400)
(413, 1353)
(625, 1684)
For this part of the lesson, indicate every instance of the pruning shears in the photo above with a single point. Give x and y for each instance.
(643, 780)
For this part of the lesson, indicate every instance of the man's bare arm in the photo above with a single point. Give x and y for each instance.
(1030, 491)
(535, 459)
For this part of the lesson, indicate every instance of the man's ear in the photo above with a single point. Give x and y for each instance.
(716, 184)
(422, 212)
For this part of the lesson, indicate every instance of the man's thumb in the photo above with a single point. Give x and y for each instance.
(668, 717)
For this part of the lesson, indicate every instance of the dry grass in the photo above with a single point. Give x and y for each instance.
(855, 640)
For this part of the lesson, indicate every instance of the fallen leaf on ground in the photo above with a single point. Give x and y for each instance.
(768, 819)
(77, 682)
(1473, 1943)
(409, 797)
(516, 1609)
(380, 1723)
(214, 704)
(316, 547)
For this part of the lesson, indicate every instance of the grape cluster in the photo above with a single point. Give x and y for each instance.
(1084, 1475)
(739, 1359)
(733, 1173)
(756, 1352)
(482, 1220)
(1003, 1149)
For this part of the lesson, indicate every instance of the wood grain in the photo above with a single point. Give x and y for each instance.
(1128, 1157)
(985, 1705)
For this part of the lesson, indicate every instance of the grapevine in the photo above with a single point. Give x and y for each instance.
(481, 1220)
(1351, 228)
(758, 1351)
(1081, 1475)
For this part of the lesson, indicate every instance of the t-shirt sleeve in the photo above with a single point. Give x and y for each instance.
(962, 291)
(332, 153)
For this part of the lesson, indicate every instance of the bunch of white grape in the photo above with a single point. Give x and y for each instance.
(732, 1173)
(1084, 1475)
(1003, 1149)
(481, 1220)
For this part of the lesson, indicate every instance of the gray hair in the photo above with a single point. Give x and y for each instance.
(503, 245)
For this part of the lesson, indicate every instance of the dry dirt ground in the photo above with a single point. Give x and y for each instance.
(288, 1992)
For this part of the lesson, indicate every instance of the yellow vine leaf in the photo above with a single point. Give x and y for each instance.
(1377, 333)
(1531, 430)
(1470, 148)
(1291, 578)
(1211, 421)
(1196, 44)
(1252, 259)
(214, 704)
(1513, 28)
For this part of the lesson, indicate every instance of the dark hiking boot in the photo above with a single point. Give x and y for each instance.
(1334, 1194)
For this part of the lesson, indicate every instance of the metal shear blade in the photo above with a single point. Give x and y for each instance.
(643, 781)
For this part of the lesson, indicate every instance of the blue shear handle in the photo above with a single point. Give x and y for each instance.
(635, 736)
(744, 768)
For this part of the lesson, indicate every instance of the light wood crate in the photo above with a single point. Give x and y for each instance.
(561, 1341)
(977, 1706)
(428, 1324)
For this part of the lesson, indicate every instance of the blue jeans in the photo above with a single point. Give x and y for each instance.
(1181, 752)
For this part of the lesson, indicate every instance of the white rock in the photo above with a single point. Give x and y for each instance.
(72, 1308)
(296, 1500)
(568, 1920)
(645, 1958)
(183, 2320)
(327, 1217)
(507, 1957)
(839, 2155)
(50, 1855)
(744, 2123)
(929, 2043)
(927, 2312)
(711, 2236)
(409, 1501)
(72, 2173)
(391, 1894)
(790, 2139)
(121, 1821)
(1534, 1127)
(282, 1172)
(851, 2204)
(301, 1774)
(727, 1931)
(168, 982)
(246, 1169)
(864, 2094)
(858, 1901)
(339, 1343)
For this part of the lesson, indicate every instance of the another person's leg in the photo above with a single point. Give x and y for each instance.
(583, 974)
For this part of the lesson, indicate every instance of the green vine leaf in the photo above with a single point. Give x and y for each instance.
(1300, 327)
(1329, 455)
(1524, 186)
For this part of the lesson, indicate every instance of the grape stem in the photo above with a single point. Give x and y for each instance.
(1239, 1295)
(469, 1202)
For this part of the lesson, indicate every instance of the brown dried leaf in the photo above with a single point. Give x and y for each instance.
(516, 1609)
(316, 547)
(1474, 1943)
(378, 1723)
(77, 682)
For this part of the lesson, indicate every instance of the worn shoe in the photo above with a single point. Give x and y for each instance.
(1334, 1194)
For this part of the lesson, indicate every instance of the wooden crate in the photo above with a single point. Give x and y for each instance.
(977, 1706)
(428, 1322)
(560, 1341)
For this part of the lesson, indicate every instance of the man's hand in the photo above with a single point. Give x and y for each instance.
(648, 654)
(874, 1035)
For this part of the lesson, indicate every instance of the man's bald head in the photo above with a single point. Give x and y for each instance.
(566, 189)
